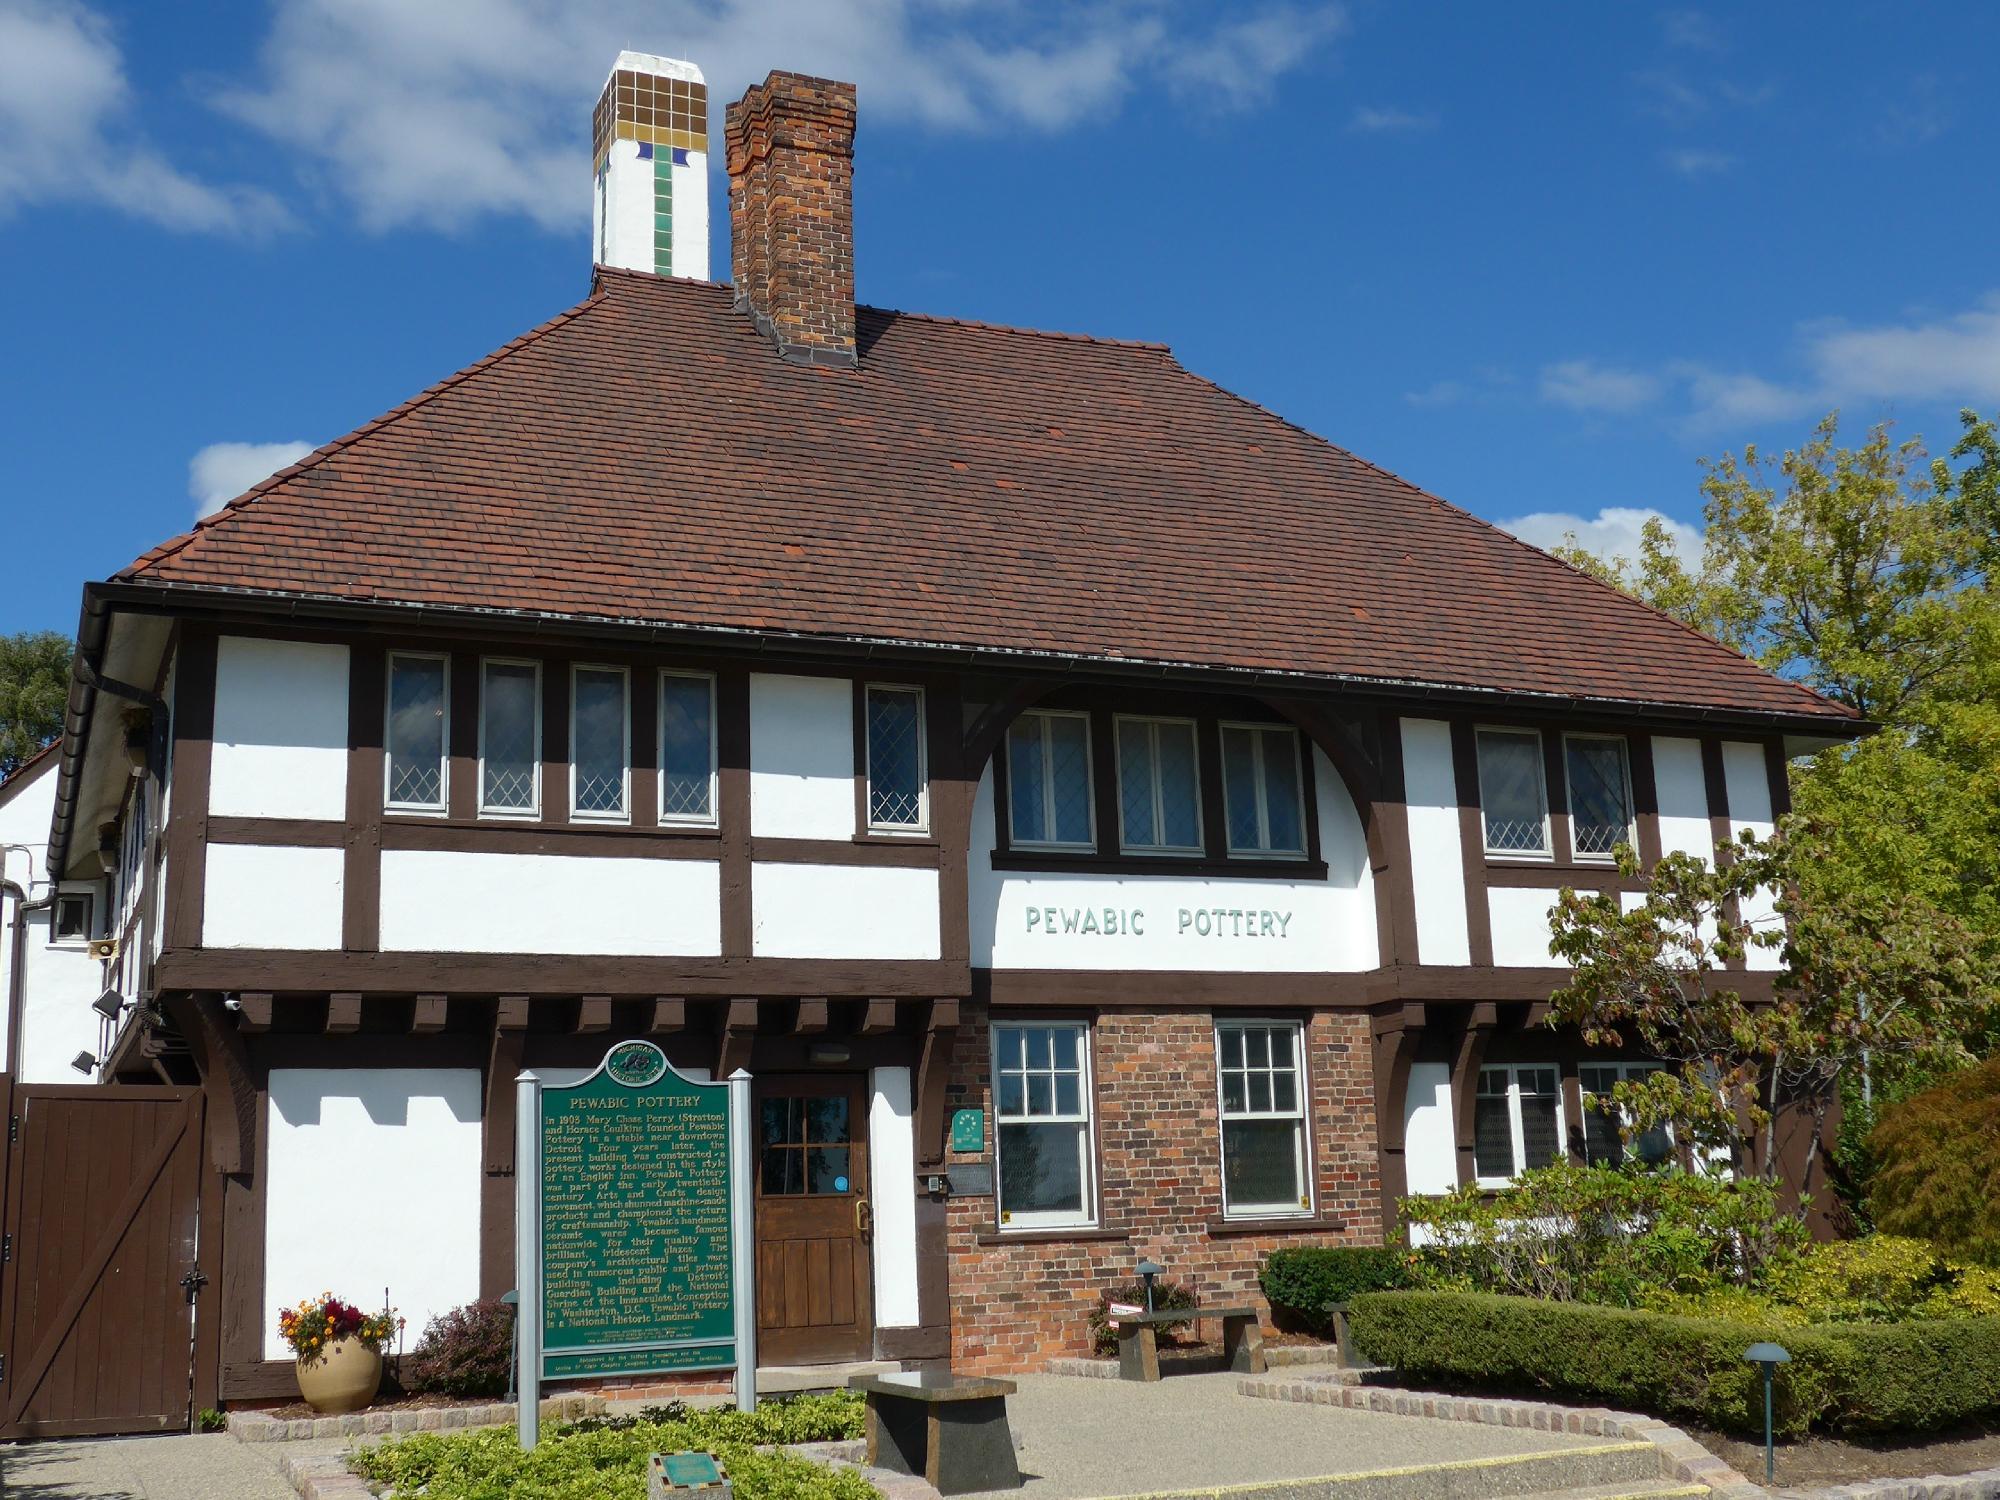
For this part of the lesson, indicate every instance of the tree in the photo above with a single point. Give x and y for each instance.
(34, 687)
(1863, 972)
(1939, 1175)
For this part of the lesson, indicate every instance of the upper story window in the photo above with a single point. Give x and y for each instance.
(1042, 1118)
(74, 919)
(1261, 1077)
(1603, 1140)
(1262, 790)
(1600, 793)
(897, 797)
(1513, 791)
(1048, 781)
(600, 743)
(687, 747)
(510, 738)
(1159, 786)
(1516, 1121)
(415, 763)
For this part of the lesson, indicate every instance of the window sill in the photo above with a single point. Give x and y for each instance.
(1048, 1236)
(575, 825)
(914, 839)
(1284, 1224)
(1050, 862)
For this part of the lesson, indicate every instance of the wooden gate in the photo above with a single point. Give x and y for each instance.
(95, 1321)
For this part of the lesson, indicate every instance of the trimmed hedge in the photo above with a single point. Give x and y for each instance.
(1853, 1376)
(1304, 1283)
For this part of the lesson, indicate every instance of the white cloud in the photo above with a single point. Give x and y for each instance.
(1954, 358)
(1612, 533)
(222, 471)
(65, 137)
(441, 112)
(1586, 385)
(1692, 161)
(1368, 120)
(1692, 31)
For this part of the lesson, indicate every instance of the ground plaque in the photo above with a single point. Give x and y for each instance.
(633, 1208)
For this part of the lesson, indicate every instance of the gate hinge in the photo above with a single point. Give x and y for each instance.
(13, 1129)
(192, 1283)
(6, 1248)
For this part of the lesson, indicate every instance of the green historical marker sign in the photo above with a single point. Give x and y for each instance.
(635, 1251)
(968, 1130)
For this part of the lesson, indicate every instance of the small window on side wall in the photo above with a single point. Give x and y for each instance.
(1513, 792)
(415, 761)
(510, 738)
(1042, 1119)
(897, 798)
(1261, 1078)
(600, 744)
(1159, 786)
(1048, 781)
(687, 748)
(74, 919)
(1600, 793)
(1262, 792)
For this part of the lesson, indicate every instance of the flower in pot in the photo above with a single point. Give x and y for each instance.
(339, 1349)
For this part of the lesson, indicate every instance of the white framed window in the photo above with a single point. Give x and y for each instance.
(1513, 792)
(1516, 1121)
(1159, 786)
(898, 797)
(687, 748)
(1263, 791)
(600, 744)
(1599, 776)
(416, 733)
(1050, 803)
(510, 738)
(1261, 1094)
(74, 918)
(1042, 1118)
(1603, 1143)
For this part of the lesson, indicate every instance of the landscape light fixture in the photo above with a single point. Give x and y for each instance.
(1770, 1356)
(1148, 1269)
(85, 1063)
(109, 1005)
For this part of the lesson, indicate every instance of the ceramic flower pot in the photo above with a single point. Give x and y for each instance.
(343, 1378)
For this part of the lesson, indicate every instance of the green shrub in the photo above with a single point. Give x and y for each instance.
(1601, 1234)
(1936, 1172)
(208, 1419)
(1168, 1296)
(606, 1461)
(1302, 1284)
(1924, 1375)
(464, 1352)
(1882, 1279)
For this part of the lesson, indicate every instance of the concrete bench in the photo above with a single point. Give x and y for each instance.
(949, 1430)
(1139, 1340)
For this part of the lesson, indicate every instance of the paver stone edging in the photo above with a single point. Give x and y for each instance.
(1981, 1484)
(1090, 1367)
(259, 1427)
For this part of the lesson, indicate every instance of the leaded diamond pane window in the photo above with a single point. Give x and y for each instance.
(687, 748)
(1261, 791)
(1513, 791)
(1041, 1110)
(1159, 786)
(1604, 1123)
(1048, 780)
(895, 758)
(1600, 794)
(1516, 1120)
(416, 732)
(510, 738)
(600, 742)
(1260, 1078)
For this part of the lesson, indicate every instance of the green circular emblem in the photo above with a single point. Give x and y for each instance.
(636, 1064)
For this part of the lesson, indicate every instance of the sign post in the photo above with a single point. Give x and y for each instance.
(634, 1245)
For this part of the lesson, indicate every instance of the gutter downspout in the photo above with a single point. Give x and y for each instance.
(17, 966)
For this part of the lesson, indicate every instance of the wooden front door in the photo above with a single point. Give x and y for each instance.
(814, 1288)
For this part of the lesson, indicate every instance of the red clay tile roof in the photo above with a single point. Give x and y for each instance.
(647, 456)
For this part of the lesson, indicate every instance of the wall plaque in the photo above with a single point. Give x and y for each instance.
(968, 1130)
(634, 1225)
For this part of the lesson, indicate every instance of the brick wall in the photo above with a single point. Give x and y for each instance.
(1017, 1304)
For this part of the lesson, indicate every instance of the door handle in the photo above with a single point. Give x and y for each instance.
(862, 1224)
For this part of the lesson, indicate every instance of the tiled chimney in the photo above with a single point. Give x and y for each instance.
(649, 209)
(791, 214)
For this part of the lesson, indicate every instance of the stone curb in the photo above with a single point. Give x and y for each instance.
(1982, 1484)
(257, 1427)
(326, 1477)
(1282, 1356)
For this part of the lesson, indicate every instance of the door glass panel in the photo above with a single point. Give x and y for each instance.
(806, 1147)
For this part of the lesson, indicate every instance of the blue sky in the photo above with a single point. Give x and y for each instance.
(1537, 259)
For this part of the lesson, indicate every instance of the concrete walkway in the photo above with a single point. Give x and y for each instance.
(209, 1467)
(1082, 1438)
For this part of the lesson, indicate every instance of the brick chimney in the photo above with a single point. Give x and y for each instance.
(791, 214)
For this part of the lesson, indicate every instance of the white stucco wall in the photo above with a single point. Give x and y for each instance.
(1430, 1155)
(843, 911)
(1683, 798)
(280, 730)
(1747, 784)
(801, 757)
(1437, 868)
(892, 1189)
(1233, 924)
(271, 896)
(373, 1180)
(475, 902)
(1520, 925)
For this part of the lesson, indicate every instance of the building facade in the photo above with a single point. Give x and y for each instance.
(1106, 820)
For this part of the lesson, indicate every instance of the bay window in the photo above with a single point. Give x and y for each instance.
(1260, 1079)
(1516, 1121)
(1042, 1118)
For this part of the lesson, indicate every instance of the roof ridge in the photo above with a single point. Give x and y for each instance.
(319, 455)
(1541, 552)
